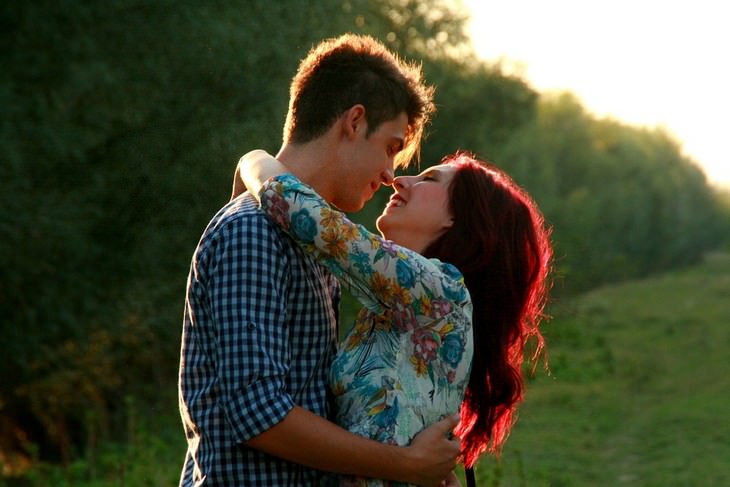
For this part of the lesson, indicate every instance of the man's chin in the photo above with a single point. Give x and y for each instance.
(355, 206)
(348, 207)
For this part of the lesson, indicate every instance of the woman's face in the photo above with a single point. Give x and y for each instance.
(418, 212)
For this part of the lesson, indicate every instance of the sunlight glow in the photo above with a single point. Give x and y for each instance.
(653, 63)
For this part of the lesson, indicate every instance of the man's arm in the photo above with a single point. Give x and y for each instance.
(305, 438)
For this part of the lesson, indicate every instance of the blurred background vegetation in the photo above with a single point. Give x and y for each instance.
(121, 125)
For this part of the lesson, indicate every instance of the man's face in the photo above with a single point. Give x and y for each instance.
(367, 162)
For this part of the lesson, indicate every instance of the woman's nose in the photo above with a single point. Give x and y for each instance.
(402, 182)
(398, 183)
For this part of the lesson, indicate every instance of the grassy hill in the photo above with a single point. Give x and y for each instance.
(638, 392)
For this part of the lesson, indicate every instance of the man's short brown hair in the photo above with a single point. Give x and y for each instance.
(341, 72)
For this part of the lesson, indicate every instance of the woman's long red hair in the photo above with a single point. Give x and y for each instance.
(500, 243)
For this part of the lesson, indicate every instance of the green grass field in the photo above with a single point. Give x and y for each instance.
(638, 394)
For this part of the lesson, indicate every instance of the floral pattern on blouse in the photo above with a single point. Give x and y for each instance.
(405, 363)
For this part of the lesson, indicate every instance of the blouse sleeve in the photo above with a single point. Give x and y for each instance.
(378, 272)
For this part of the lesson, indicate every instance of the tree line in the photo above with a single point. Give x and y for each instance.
(121, 127)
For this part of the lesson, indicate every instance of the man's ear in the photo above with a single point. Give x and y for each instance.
(353, 120)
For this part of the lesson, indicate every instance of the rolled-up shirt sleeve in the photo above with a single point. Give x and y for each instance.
(247, 292)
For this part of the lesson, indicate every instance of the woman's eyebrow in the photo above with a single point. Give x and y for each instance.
(431, 172)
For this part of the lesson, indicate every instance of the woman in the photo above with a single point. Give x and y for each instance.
(451, 291)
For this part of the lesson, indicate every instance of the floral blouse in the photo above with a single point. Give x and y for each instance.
(405, 364)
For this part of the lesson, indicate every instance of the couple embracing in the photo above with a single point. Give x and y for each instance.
(451, 287)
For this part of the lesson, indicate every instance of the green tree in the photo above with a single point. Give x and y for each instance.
(123, 124)
(623, 201)
(123, 121)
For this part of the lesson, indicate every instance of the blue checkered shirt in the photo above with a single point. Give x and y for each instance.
(259, 335)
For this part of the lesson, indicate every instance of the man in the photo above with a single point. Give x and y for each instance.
(260, 325)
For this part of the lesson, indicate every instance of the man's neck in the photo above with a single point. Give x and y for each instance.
(312, 162)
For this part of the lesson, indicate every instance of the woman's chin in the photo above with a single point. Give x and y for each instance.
(382, 224)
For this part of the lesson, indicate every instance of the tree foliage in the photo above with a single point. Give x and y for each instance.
(624, 201)
(121, 126)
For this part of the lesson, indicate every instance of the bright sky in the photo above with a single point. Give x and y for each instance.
(644, 62)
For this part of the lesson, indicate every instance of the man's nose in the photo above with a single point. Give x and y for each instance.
(387, 177)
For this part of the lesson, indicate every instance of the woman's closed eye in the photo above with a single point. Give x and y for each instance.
(395, 148)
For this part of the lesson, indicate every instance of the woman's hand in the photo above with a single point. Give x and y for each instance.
(253, 169)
